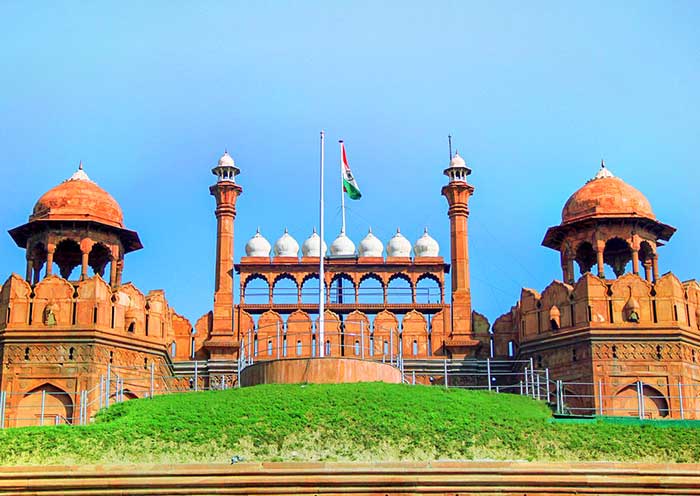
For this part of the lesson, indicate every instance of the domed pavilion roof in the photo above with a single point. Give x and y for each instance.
(78, 198)
(606, 196)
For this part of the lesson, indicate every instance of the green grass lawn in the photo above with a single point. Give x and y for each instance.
(361, 422)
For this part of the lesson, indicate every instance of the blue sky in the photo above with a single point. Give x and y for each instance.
(148, 95)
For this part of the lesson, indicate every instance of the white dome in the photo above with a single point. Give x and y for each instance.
(226, 160)
(457, 161)
(257, 246)
(309, 248)
(80, 174)
(426, 246)
(342, 246)
(370, 246)
(286, 246)
(603, 172)
(398, 246)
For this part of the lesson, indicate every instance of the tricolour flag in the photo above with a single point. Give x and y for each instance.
(349, 183)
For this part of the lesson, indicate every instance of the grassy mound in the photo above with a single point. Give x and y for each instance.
(363, 422)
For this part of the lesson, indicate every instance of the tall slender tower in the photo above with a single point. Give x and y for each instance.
(460, 341)
(222, 341)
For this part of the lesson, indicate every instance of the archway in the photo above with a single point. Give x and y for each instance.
(428, 289)
(58, 407)
(585, 257)
(371, 290)
(285, 290)
(399, 289)
(617, 255)
(38, 259)
(310, 289)
(98, 258)
(342, 289)
(67, 256)
(626, 402)
(256, 290)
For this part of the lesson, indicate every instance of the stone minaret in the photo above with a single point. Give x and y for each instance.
(460, 340)
(222, 342)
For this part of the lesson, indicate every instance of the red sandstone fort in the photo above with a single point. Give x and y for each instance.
(615, 335)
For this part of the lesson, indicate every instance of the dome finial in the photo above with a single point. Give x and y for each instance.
(603, 172)
(80, 165)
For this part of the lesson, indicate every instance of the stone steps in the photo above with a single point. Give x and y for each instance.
(435, 478)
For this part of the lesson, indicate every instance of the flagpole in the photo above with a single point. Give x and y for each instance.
(320, 345)
(342, 192)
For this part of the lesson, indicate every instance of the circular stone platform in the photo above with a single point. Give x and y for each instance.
(328, 370)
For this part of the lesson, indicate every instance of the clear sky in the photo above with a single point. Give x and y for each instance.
(148, 95)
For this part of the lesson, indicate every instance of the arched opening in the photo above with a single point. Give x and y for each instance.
(585, 257)
(256, 290)
(309, 289)
(428, 289)
(57, 407)
(173, 349)
(371, 290)
(98, 258)
(399, 289)
(342, 289)
(37, 256)
(617, 255)
(285, 290)
(67, 256)
(626, 402)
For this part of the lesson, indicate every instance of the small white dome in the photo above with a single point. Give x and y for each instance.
(457, 161)
(371, 246)
(603, 172)
(309, 248)
(80, 174)
(342, 246)
(257, 246)
(426, 246)
(398, 246)
(286, 246)
(226, 160)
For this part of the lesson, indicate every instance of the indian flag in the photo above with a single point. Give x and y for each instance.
(349, 183)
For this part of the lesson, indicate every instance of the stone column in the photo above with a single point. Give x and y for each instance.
(49, 262)
(600, 261)
(655, 266)
(113, 271)
(30, 268)
(84, 265)
(635, 262)
(647, 270)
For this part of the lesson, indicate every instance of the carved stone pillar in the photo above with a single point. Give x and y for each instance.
(635, 262)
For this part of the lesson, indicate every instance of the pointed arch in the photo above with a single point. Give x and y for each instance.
(256, 289)
(58, 406)
(371, 289)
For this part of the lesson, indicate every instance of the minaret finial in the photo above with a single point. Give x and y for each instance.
(602, 163)
(449, 144)
(80, 165)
